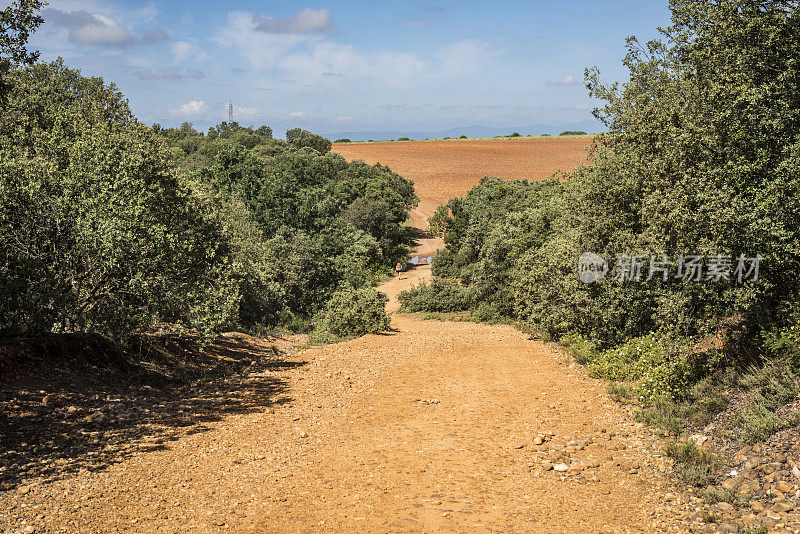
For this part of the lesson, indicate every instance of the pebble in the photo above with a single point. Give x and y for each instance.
(783, 506)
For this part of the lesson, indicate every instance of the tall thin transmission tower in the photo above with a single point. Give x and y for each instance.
(230, 112)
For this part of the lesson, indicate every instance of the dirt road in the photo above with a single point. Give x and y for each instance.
(434, 426)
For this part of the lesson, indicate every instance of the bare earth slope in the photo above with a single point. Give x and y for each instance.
(434, 426)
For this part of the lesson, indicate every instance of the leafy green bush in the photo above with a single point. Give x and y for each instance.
(403, 139)
(582, 349)
(770, 386)
(301, 138)
(693, 465)
(97, 232)
(486, 313)
(438, 296)
(573, 132)
(463, 137)
(343, 140)
(353, 312)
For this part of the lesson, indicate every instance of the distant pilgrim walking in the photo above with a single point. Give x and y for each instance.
(398, 268)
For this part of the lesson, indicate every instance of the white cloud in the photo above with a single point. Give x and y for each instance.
(90, 28)
(260, 48)
(466, 58)
(182, 50)
(192, 108)
(332, 63)
(100, 29)
(569, 79)
(155, 36)
(297, 114)
(308, 59)
(147, 13)
(308, 20)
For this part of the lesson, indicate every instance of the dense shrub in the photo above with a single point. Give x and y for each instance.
(573, 132)
(438, 296)
(770, 388)
(353, 312)
(97, 232)
(403, 139)
(343, 140)
(302, 138)
(463, 137)
(665, 159)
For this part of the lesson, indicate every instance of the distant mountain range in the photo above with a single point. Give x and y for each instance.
(588, 126)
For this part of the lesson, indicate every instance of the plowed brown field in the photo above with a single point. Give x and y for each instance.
(445, 169)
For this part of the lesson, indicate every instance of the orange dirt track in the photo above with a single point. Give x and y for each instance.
(445, 169)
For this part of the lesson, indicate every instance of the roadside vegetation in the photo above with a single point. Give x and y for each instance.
(111, 227)
(701, 156)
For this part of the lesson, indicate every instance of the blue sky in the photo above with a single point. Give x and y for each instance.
(344, 66)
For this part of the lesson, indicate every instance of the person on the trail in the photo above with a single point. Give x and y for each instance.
(398, 268)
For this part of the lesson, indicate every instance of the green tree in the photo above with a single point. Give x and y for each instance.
(17, 22)
(97, 232)
(302, 138)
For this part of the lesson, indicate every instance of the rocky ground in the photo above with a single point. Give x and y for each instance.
(759, 487)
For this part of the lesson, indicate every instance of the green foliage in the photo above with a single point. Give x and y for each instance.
(674, 173)
(694, 408)
(325, 222)
(18, 21)
(463, 137)
(620, 392)
(301, 138)
(437, 223)
(486, 313)
(693, 465)
(515, 134)
(403, 139)
(343, 140)
(97, 233)
(351, 313)
(438, 296)
(713, 496)
(770, 386)
(573, 132)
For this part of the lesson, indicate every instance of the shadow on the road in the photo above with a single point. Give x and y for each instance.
(77, 402)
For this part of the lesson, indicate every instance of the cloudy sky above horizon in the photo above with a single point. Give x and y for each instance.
(346, 66)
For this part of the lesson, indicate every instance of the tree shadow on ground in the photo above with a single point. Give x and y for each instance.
(69, 403)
